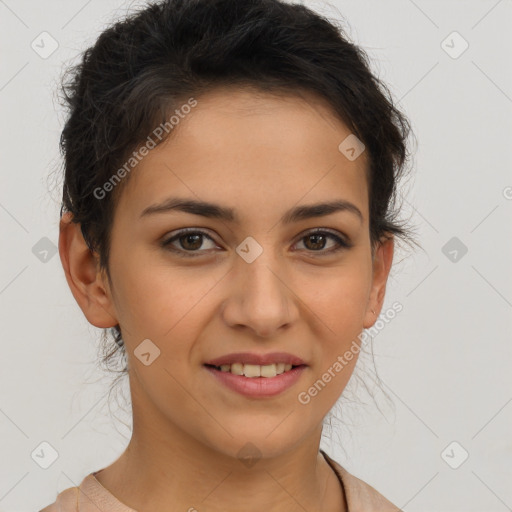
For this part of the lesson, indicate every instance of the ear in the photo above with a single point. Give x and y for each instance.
(382, 260)
(88, 285)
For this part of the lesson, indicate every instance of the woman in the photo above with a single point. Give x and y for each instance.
(230, 171)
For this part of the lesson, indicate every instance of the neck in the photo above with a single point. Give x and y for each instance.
(165, 464)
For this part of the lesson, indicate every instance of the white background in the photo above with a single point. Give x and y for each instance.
(444, 361)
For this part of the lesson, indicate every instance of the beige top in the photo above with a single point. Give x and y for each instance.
(91, 496)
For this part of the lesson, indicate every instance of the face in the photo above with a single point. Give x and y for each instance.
(257, 281)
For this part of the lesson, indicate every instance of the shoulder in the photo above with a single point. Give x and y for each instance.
(67, 501)
(362, 497)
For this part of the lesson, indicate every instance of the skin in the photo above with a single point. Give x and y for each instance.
(261, 155)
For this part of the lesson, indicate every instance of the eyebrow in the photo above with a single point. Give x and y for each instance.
(214, 211)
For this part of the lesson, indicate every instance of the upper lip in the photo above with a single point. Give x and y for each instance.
(259, 359)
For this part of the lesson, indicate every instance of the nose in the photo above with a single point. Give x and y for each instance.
(260, 299)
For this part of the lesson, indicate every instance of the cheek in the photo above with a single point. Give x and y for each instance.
(339, 306)
(340, 295)
(339, 312)
(160, 302)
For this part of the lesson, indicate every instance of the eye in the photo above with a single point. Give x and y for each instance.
(190, 241)
(319, 237)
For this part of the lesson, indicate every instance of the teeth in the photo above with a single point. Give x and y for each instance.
(236, 368)
(252, 370)
(255, 370)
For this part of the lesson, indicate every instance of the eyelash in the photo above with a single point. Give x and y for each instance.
(342, 244)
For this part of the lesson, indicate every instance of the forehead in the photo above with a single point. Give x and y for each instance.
(244, 146)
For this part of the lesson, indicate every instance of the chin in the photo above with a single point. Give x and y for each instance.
(254, 442)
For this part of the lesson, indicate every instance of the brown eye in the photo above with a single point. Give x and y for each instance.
(189, 240)
(316, 241)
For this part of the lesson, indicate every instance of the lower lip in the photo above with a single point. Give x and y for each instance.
(258, 386)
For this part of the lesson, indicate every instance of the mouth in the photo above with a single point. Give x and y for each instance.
(253, 371)
(256, 381)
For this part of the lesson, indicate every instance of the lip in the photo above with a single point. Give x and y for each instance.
(259, 359)
(258, 387)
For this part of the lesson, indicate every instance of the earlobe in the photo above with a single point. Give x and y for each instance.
(86, 282)
(381, 267)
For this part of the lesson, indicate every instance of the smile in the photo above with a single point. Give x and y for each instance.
(260, 381)
(255, 370)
